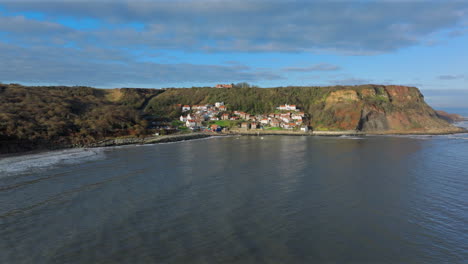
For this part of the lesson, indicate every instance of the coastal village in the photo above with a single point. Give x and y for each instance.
(216, 117)
(202, 117)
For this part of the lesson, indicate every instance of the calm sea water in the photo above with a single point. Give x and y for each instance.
(276, 199)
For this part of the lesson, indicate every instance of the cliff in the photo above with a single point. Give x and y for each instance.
(49, 117)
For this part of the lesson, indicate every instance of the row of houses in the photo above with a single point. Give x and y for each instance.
(218, 106)
(287, 107)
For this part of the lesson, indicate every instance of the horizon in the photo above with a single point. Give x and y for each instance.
(161, 44)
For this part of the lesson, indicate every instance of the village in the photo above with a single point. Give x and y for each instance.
(217, 118)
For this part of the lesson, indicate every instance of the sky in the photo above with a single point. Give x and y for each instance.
(185, 43)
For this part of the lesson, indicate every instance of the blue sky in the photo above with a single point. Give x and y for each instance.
(181, 43)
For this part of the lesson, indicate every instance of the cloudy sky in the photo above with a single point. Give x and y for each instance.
(183, 43)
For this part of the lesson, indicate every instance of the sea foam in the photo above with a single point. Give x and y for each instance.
(34, 162)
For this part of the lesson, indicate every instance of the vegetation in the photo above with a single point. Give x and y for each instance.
(70, 115)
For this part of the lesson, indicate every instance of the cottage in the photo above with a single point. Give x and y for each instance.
(296, 117)
(222, 108)
(215, 128)
(225, 117)
(183, 118)
(190, 123)
(218, 104)
(186, 108)
(245, 125)
(274, 123)
(264, 121)
(287, 107)
(224, 86)
(253, 126)
(244, 115)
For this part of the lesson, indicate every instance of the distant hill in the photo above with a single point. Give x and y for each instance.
(36, 117)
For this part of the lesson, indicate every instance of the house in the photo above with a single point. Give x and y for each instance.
(225, 117)
(224, 86)
(244, 115)
(304, 129)
(215, 128)
(252, 117)
(288, 125)
(296, 117)
(190, 123)
(253, 125)
(218, 104)
(200, 107)
(234, 118)
(214, 118)
(222, 108)
(186, 108)
(287, 107)
(274, 123)
(264, 121)
(183, 118)
(245, 125)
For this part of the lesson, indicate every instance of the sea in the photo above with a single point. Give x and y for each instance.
(241, 199)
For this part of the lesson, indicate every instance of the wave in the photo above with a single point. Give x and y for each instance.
(35, 162)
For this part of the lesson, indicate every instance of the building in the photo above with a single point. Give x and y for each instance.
(274, 123)
(190, 123)
(287, 107)
(225, 117)
(245, 125)
(304, 129)
(183, 118)
(224, 86)
(222, 108)
(253, 125)
(264, 121)
(186, 108)
(218, 104)
(215, 128)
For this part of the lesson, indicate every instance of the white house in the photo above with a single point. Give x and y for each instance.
(287, 107)
(190, 123)
(264, 121)
(304, 129)
(218, 104)
(183, 118)
(186, 108)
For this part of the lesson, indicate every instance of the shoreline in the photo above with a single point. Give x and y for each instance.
(185, 137)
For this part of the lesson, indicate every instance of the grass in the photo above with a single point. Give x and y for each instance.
(274, 128)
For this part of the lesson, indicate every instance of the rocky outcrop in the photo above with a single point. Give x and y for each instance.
(452, 118)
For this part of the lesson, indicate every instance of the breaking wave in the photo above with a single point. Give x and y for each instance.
(34, 162)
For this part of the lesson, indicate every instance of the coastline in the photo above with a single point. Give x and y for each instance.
(185, 137)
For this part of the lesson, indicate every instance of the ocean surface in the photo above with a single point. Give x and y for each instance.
(271, 199)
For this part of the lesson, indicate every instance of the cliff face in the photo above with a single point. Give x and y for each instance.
(382, 108)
